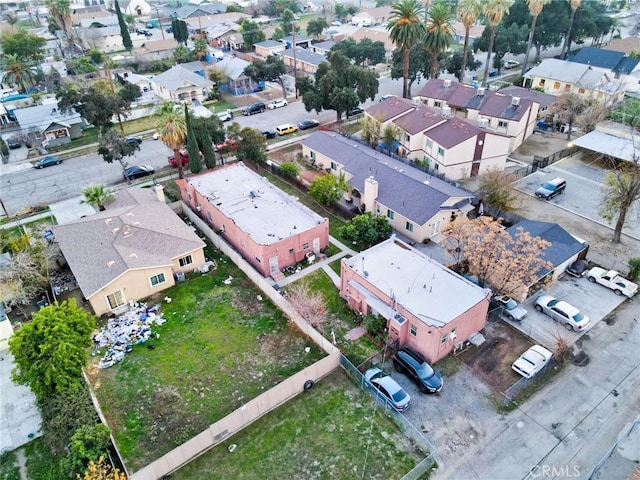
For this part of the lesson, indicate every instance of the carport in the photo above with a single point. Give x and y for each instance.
(611, 143)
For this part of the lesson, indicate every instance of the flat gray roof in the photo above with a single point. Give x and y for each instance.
(426, 288)
(259, 208)
(606, 144)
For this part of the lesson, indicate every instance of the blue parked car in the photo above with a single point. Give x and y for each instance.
(47, 162)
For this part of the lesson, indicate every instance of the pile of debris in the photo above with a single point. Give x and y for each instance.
(122, 332)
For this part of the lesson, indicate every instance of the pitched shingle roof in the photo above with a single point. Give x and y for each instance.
(178, 77)
(452, 132)
(304, 55)
(597, 57)
(41, 116)
(419, 119)
(626, 65)
(135, 232)
(563, 244)
(543, 99)
(390, 108)
(569, 72)
(408, 191)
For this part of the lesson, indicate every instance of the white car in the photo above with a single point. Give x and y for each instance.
(281, 102)
(532, 361)
(562, 312)
(511, 64)
(613, 280)
(225, 115)
(387, 389)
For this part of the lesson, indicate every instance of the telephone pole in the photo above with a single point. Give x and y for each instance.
(107, 70)
(295, 62)
(159, 23)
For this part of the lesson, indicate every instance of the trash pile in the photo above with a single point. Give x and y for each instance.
(122, 332)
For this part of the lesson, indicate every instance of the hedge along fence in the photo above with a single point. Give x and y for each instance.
(265, 402)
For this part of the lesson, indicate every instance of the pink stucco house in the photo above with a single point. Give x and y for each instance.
(427, 306)
(268, 227)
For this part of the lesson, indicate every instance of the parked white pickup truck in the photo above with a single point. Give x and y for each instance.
(613, 280)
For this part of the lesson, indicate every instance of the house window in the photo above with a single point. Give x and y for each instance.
(189, 196)
(437, 104)
(581, 90)
(413, 330)
(541, 82)
(409, 226)
(600, 94)
(210, 218)
(429, 144)
(443, 339)
(184, 261)
(440, 151)
(407, 137)
(291, 251)
(334, 166)
(115, 299)
(313, 155)
(503, 124)
(567, 87)
(258, 259)
(390, 214)
(305, 246)
(556, 85)
(157, 279)
(453, 335)
(437, 166)
(377, 208)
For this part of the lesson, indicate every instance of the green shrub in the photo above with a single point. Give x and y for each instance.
(289, 170)
(374, 324)
(634, 268)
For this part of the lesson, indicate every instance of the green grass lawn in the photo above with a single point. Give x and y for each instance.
(331, 432)
(220, 347)
(335, 265)
(339, 319)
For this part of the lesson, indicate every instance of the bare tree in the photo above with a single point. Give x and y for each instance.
(310, 305)
(562, 345)
(568, 107)
(504, 262)
(495, 189)
(621, 190)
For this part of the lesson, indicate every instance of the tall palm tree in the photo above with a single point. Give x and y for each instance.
(60, 10)
(439, 35)
(575, 4)
(15, 71)
(406, 30)
(469, 11)
(172, 130)
(494, 10)
(535, 8)
(97, 195)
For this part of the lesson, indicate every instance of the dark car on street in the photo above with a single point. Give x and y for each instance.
(47, 162)
(269, 134)
(307, 124)
(133, 140)
(354, 112)
(414, 365)
(137, 171)
(14, 143)
(257, 107)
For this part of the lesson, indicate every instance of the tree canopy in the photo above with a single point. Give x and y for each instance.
(339, 85)
(327, 189)
(27, 47)
(124, 29)
(51, 350)
(253, 146)
(364, 52)
(367, 230)
(251, 34)
(272, 69)
(316, 26)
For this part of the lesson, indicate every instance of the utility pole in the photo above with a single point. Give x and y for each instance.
(107, 70)
(159, 23)
(295, 62)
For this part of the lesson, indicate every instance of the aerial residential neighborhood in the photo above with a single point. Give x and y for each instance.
(280, 239)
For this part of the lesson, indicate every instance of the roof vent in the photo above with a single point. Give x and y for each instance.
(447, 83)
(481, 91)
(515, 101)
(483, 123)
(446, 110)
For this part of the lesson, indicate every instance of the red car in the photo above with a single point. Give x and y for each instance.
(183, 155)
(228, 146)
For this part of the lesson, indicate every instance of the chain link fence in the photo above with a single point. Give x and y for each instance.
(516, 389)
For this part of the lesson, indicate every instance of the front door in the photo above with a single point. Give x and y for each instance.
(316, 245)
(273, 264)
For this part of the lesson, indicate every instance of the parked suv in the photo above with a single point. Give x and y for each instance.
(412, 364)
(258, 107)
(550, 189)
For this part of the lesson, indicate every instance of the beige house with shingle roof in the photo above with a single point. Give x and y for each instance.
(130, 251)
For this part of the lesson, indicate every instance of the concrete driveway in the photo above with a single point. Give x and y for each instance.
(593, 300)
(583, 195)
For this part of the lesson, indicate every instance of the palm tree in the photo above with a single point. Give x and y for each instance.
(200, 47)
(494, 10)
(172, 130)
(575, 4)
(469, 11)
(535, 8)
(15, 71)
(97, 195)
(406, 30)
(60, 10)
(439, 34)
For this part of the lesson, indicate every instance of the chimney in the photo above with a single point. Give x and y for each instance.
(480, 91)
(159, 189)
(370, 194)
(447, 83)
(515, 101)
